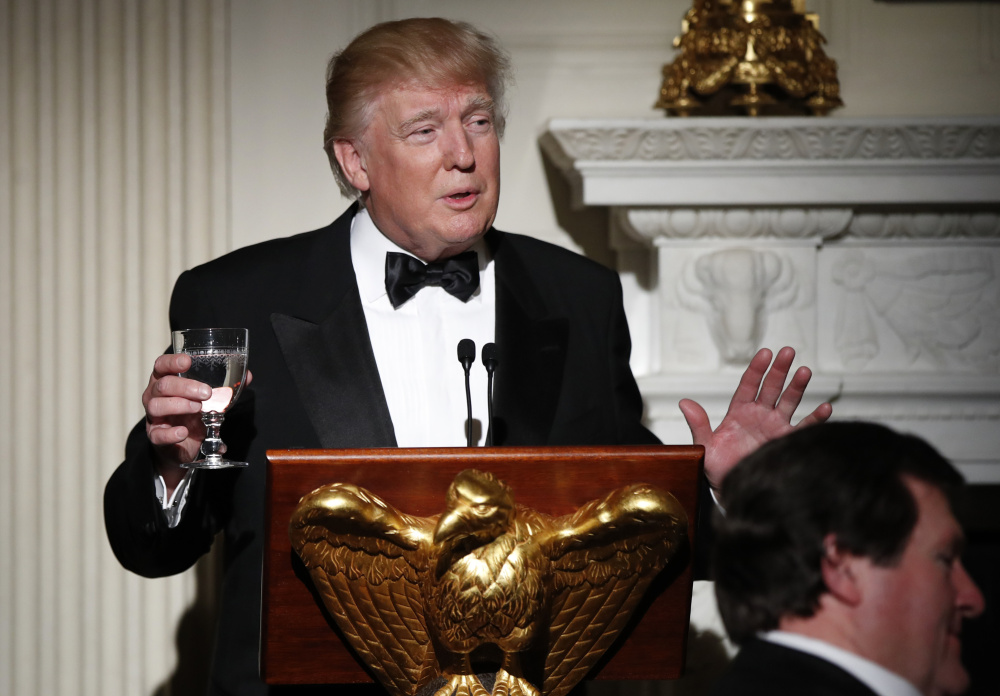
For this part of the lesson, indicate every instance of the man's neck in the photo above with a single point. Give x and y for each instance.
(840, 633)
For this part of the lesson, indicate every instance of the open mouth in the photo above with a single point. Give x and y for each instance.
(460, 196)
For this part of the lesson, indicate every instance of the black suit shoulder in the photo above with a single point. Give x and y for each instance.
(763, 668)
(550, 280)
(550, 264)
(277, 253)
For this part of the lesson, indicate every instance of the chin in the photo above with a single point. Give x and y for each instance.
(953, 684)
(951, 678)
(467, 233)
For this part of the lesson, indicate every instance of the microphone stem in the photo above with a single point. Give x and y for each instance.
(468, 406)
(489, 408)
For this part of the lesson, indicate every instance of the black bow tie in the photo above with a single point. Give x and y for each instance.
(405, 276)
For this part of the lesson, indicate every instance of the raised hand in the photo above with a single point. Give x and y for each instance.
(759, 411)
(173, 415)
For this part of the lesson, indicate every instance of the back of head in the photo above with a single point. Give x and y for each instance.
(781, 503)
(427, 52)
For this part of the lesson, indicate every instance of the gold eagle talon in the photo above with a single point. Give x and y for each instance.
(509, 685)
(463, 685)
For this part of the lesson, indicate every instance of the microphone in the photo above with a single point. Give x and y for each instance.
(490, 361)
(466, 356)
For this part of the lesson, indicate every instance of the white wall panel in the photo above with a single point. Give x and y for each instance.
(113, 179)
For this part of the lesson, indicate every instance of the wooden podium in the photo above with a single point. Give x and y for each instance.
(300, 643)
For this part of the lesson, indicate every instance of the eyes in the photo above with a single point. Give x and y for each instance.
(426, 132)
(949, 556)
(947, 559)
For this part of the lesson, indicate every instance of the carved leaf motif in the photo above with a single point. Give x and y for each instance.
(755, 142)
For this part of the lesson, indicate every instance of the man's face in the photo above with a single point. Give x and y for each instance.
(917, 606)
(428, 167)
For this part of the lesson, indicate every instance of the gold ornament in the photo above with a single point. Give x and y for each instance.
(423, 599)
(749, 56)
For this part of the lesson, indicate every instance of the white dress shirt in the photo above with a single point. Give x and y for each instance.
(416, 345)
(875, 677)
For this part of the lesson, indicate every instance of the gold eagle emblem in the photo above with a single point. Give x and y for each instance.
(421, 599)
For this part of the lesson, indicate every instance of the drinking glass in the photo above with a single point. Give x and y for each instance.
(219, 359)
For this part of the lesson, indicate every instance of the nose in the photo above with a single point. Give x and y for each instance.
(968, 597)
(458, 150)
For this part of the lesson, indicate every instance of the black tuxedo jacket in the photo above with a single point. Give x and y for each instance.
(563, 379)
(767, 669)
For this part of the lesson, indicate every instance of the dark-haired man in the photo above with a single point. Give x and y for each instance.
(347, 353)
(838, 567)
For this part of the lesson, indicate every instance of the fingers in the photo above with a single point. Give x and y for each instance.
(174, 445)
(792, 396)
(788, 401)
(170, 364)
(158, 408)
(774, 381)
(746, 390)
(697, 421)
(163, 434)
(167, 394)
(821, 414)
(173, 386)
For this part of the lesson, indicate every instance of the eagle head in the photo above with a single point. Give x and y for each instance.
(479, 508)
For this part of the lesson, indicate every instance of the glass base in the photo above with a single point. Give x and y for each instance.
(214, 463)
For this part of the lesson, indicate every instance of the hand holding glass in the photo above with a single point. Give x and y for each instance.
(219, 359)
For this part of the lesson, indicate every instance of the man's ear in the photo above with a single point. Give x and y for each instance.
(842, 572)
(351, 163)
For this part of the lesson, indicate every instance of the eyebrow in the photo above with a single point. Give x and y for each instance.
(424, 115)
(478, 103)
(955, 543)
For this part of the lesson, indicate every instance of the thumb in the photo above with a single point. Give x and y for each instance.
(697, 421)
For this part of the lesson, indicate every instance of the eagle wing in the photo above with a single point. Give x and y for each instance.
(365, 558)
(603, 557)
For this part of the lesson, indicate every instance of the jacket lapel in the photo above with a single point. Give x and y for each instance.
(531, 347)
(328, 351)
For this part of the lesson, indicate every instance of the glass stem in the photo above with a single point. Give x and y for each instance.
(211, 446)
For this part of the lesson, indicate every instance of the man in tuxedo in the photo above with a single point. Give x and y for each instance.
(353, 327)
(838, 567)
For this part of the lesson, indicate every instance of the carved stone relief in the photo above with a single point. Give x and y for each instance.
(719, 305)
(735, 289)
(927, 308)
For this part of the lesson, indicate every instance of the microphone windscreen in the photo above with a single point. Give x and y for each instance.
(466, 350)
(490, 355)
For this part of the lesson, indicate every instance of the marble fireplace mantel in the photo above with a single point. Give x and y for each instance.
(871, 245)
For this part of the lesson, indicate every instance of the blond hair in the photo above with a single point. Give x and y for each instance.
(430, 52)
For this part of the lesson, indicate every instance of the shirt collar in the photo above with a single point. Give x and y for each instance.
(875, 676)
(369, 247)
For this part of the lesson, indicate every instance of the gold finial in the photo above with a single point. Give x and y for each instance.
(758, 57)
